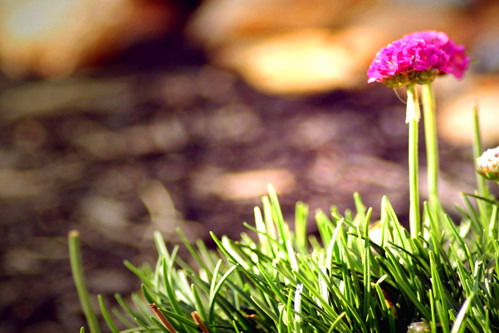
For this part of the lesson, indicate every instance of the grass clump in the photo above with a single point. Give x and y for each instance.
(341, 280)
(353, 275)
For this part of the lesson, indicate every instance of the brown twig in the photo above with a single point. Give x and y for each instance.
(162, 318)
(199, 321)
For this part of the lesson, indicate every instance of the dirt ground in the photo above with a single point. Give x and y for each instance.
(160, 131)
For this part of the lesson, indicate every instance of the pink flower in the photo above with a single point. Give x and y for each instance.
(418, 58)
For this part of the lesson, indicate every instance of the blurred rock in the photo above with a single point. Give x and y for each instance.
(52, 38)
(29, 134)
(106, 213)
(48, 98)
(45, 326)
(164, 216)
(21, 260)
(108, 281)
(303, 47)
(253, 184)
(163, 135)
(455, 116)
(220, 21)
(232, 123)
(246, 185)
(303, 61)
(485, 46)
(20, 184)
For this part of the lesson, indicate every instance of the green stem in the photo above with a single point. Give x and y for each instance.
(413, 120)
(482, 187)
(79, 280)
(431, 141)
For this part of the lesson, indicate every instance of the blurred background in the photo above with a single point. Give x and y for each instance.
(118, 118)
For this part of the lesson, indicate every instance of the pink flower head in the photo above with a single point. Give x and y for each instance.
(418, 58)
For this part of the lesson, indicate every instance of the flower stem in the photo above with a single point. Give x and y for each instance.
(431, 141)
(482, 187)
(413, 120)
(79, 280)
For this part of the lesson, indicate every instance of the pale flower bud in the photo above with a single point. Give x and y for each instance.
(419, 327)
(488, 164)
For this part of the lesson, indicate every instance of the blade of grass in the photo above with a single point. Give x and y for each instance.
(216, 288)
(301, 214)
(366, 258)
(277, 214)
(481, 183)
(167, 267)
(194, 253)
(459, 324)
(163, 323)
(263, 236)
(199, 303)
(336, 322)
(124, 305)
(395, 271)
(439, 293)
(122, 318)
(106, 316)
(79, 280)
(297, 308)
(413, 121)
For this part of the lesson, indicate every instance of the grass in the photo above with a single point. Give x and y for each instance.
(345, 278)
(342, 280)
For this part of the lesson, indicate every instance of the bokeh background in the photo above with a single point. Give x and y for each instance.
(118, 118)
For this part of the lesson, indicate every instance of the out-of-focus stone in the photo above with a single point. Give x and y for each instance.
(245, 185)
(455, 116)
(220, 21)
(20, 184)
(298, 47)
(303, 61)
(485, 46)
(107, 281)
(51, 38)
(252, 184)
(159, 203)
(49, 98)
(21, 260)
(29, 134)
(233, 123)
(102, 211)
(164, 135)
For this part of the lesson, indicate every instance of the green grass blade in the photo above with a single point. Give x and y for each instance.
(214, 291)
(481, 183)
(79, 280)
(193, 252)
(106, 316)
(301, 214)
(297, 308)
(459, 324)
